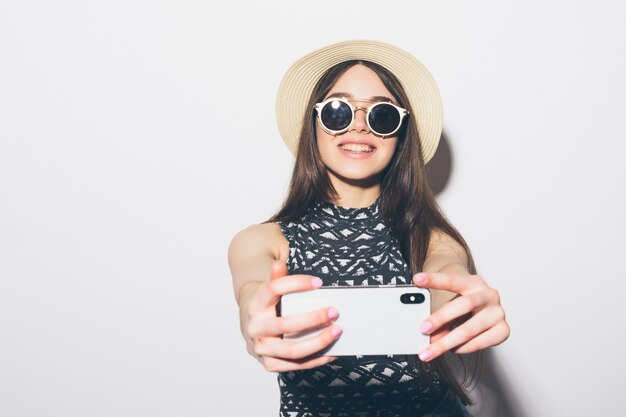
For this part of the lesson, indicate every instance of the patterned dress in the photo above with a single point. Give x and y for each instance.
(353, 246)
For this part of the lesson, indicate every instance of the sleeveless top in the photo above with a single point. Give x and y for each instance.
(353, 246)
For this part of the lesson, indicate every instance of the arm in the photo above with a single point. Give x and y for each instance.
(259, 280)
(250, 257)
(467, 313)
(444, 255)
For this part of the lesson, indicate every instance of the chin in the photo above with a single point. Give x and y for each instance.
(355, 177)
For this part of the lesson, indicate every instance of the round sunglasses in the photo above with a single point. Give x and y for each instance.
(337, 114)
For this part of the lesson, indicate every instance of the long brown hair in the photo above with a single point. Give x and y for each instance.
(407, 202)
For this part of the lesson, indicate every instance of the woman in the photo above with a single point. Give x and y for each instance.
(363, 119)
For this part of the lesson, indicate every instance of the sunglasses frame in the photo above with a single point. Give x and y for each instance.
(368, 110)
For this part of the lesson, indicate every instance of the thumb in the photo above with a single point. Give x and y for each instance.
(279, 269)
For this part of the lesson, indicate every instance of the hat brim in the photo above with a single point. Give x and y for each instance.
(298, 82)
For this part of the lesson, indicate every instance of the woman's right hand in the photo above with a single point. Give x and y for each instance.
(264, 329)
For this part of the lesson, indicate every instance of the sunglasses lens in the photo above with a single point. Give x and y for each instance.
(384, 118)
(336, 115)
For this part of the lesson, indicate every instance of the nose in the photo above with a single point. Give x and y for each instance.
(360, 124)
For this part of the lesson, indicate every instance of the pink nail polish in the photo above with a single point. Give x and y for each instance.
(336, 331)
(420, 278)
(316, 282)
(425, 355)
(333, 314)
(425, 327)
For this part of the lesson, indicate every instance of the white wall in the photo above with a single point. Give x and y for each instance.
(137, 137)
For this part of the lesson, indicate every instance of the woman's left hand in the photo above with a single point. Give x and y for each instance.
(471, 321)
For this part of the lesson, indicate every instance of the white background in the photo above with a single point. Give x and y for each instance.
(137, 137)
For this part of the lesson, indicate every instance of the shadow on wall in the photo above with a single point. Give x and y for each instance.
(439, 168)
(492, 392)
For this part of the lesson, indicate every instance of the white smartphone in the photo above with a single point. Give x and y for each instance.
(376, 320)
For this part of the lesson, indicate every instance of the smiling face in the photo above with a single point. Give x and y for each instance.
(357, 155)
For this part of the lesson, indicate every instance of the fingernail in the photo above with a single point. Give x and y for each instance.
(425, 327)
(336, 331)
(316, 282)
(420, 278)
(333, 314)
(425, 355)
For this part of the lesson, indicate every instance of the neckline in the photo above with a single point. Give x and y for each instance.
(344, 208)
(341, 213)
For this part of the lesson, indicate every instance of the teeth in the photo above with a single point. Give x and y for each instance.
(356, 147)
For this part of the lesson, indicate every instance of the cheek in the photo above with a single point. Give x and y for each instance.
(390, 148)
(323, 140)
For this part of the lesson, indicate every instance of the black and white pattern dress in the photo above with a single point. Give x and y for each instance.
(353, 246)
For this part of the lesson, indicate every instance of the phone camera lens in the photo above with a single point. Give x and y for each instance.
(412, 298)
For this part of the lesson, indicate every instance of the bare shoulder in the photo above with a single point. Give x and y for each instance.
(252, 252)
(443, 246)
(260, 239)
(440, 240)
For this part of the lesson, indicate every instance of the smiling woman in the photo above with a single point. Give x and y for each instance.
(357, 155)
(363, 119)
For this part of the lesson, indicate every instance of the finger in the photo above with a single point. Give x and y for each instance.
(304, 321)
(453, 310)
(282, 365)
(439, 333)
(270, 325)
(279, 269)
(288, 349)
(460, 335)
(459, 284)
(270, 292)
(494, 336)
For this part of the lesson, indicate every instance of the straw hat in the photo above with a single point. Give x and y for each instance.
(298, 83)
